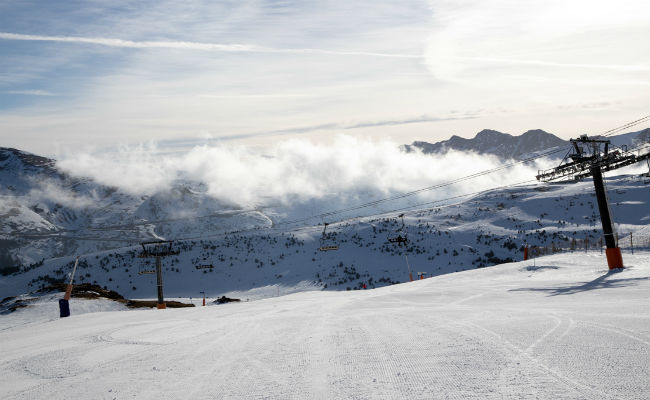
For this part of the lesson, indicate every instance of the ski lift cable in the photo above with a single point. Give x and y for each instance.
(360, 217)
(628, 125)
(357, 218)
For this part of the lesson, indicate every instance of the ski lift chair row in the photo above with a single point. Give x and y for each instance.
(326, 243)
(397, 234)
(144, 271)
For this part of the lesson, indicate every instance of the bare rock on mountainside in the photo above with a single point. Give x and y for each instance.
(487, 141)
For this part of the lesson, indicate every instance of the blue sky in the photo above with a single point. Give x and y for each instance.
(87, 73)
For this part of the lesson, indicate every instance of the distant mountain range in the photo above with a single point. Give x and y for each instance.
(506, 146)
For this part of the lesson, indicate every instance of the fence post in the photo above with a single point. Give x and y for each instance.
(586, 243)
(631, 243)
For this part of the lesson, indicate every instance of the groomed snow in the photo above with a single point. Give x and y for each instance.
(557, 327)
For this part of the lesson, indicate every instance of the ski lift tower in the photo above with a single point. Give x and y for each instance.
(158, 249)
(589, 157)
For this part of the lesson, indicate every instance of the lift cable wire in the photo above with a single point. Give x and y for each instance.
(626, 126)
(277, 226)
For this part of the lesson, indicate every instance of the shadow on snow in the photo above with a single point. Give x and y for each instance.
(602, 282)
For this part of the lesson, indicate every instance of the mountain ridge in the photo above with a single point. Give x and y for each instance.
(492, 142)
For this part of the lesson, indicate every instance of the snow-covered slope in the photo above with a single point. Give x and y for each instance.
(487, 229)
(558, 327)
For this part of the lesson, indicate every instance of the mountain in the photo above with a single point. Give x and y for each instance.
(47, 213)
(486, 229)
(506, 146)
(487, 141)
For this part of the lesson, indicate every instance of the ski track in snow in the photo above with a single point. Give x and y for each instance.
(493, 333)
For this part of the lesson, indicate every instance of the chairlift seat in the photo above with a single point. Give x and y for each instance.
(147, 271)
(328, 248)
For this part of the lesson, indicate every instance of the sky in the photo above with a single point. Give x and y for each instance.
(97, 74)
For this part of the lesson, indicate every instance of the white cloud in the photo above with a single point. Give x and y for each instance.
(293, 170)
(185, 45)
(241, 70)
(484, 42)
(30, 92)
(48, 191)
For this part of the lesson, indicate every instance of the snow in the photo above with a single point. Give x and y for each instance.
(560, 326)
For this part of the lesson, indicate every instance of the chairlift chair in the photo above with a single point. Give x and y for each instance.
(326, 243)
(397, 237)
(145, 271)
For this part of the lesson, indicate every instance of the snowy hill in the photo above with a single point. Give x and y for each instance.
(487, 229)
(558, 327)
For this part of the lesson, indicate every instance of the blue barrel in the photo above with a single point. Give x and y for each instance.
(64, 308)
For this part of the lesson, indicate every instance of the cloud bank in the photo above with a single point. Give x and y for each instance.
(345, 170)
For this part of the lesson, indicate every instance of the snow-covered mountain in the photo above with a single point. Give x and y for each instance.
(487, 141)
(487, 229)
(47, 213)
(506, 146)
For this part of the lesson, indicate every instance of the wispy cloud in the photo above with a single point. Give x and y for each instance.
(236, 70)
(191, 142)
(30, 92)
(239, 48)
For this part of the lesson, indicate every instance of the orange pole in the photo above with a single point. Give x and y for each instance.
(614, 258)
(68, 292)
(525, 253)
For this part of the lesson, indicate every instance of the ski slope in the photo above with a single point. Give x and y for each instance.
(556, 327)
